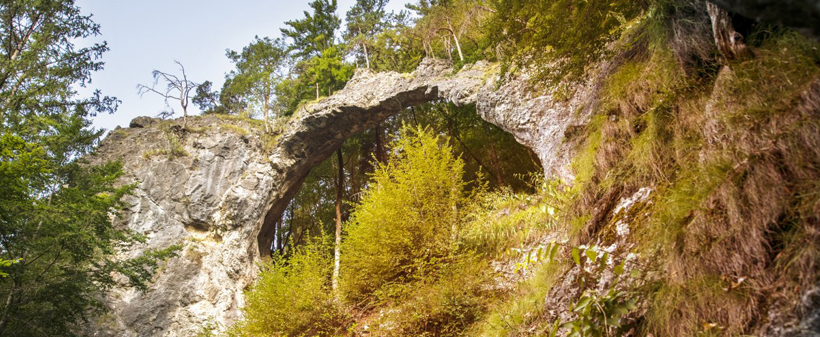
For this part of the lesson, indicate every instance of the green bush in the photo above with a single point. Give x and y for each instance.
(445, 303)
(292, 297)
(558, 33)
(497, 221)
(404, 224)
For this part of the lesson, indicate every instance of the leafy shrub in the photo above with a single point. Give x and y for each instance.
(599, 312)
(555, 37)
(292, 297)
(446, 303)
(406, 219)
(497, 221)
(523, 309)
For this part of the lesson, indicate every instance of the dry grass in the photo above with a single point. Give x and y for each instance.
(735, 229)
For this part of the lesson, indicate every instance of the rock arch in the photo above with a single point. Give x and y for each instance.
(221, 193)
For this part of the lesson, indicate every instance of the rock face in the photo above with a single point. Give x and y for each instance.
(217, 186)
(199, 189)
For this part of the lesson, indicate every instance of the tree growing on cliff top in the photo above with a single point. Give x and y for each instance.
(55, 209)
(177, 88)
(364, 20)
(259, 68)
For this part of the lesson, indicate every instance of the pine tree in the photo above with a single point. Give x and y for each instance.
(258, 72)
(316, 32)
(364, 20)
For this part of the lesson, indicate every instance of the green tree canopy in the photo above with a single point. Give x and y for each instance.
(316, 32)
(364, 20)
(55, 208)
(259, 68)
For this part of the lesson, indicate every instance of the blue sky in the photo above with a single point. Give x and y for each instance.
(150, 34)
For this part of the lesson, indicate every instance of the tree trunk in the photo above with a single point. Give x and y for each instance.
(184, 115)
(496, 166)
(381, 155)
(449, 49)
(366, 57)
(353, 181)
(283, 239)
(728, 41)
(7, 306)
(265, 113)
(458, 46)
(337, 253)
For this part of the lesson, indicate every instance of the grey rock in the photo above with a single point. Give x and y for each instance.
(141, 122)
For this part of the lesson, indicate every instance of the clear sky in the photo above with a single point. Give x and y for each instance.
(150, 34)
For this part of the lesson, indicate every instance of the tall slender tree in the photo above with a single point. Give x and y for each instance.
(259, 68)
(364, 20)
(337, 251)
(315, 32)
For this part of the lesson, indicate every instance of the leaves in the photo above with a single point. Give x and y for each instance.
(315, 32)
(591, 254)
(599, 315)
(291, 296)
(559, 32)
(576, 256)
(619, 269)
(57, 232)
(259, 72)
(405, 220)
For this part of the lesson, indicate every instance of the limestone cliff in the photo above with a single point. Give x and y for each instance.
(216, 185)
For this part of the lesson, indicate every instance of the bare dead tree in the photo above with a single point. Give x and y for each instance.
(176, 89)
(452, 33)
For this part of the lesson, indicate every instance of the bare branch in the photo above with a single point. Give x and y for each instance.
(176, 88)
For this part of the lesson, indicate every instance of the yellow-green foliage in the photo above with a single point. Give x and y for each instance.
(769, 83)
(499, 221)
(559, 33)
(242, 117)
(443, 303)
(495, 221)
(519, 314)
(406, 219)
(292, 297)
(728, 158)
(699, 305)
(155, 152)
(175, 148)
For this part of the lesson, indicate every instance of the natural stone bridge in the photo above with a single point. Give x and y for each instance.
(218, 185)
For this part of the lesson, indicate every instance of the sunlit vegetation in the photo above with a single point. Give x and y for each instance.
(726, 147)
(415, 246)
(292, 296)
(444, 224)
(58, 237)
